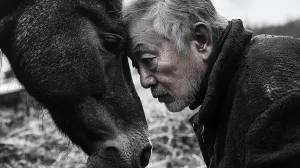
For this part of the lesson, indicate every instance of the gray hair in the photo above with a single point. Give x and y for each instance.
(175, 19)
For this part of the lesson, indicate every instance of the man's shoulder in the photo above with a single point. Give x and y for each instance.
(269, 53)
(273, 46)
(266, 39)
(266, 73)
(271, 65)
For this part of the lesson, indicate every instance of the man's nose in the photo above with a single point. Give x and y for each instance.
(147, 79)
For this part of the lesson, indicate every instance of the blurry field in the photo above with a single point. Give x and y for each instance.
(35, 142)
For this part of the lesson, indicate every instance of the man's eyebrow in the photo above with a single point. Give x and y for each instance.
(141, 48)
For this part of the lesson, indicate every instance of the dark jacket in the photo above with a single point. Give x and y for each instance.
(250, 114)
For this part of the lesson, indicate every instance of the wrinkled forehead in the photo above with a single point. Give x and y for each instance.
(139, 27)
(142, 31)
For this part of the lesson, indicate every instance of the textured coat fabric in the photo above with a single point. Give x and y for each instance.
(250, 114)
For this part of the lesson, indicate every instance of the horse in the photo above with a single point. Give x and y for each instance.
(68, 55)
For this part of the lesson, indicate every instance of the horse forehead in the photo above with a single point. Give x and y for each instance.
(44, 13)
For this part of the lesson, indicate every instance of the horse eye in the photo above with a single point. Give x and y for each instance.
(113, 44)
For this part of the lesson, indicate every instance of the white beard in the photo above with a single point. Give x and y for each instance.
(182, 102)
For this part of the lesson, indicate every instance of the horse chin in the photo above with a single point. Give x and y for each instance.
(109, 161)
(120, 152)
(96, 161)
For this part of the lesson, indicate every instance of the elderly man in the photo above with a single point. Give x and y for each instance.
(248, 87)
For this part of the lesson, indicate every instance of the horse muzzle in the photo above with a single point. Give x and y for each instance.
(121, 154)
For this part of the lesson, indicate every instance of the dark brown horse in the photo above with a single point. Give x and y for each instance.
(68, 55)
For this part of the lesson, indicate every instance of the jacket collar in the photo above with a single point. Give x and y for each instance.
(229, 52)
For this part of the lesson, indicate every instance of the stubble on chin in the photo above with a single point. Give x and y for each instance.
(175, 106)
(180, 103)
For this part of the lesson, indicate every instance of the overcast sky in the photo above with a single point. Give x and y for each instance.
(258, 12)
(261, 12)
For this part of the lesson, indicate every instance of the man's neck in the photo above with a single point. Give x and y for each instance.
(219, 36)
(230, 51)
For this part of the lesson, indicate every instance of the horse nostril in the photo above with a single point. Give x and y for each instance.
(145, 156)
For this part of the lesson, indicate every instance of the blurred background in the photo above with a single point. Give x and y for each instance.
(28, 137)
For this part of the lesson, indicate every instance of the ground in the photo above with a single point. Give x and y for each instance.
(34, 142)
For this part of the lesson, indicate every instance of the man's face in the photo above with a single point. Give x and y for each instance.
(173, 78)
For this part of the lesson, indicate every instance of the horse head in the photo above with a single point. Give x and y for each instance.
(68, 54)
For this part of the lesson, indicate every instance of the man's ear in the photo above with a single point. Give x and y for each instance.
(204, 38)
